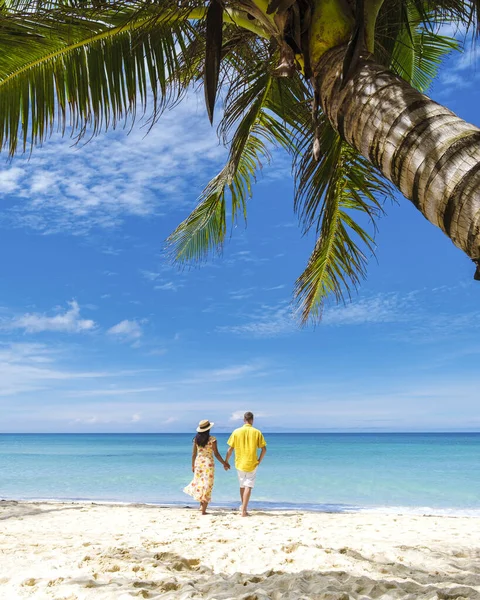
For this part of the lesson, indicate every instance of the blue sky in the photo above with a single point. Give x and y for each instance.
(99, 334)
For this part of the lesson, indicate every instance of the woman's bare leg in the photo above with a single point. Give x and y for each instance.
(203, 506)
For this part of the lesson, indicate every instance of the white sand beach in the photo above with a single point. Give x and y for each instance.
(94, 551)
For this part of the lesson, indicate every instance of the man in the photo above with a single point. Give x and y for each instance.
(245, 441)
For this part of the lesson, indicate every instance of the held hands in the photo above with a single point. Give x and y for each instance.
(193, 469)
(226, 466)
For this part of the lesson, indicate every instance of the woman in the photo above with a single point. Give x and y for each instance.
(203, 465)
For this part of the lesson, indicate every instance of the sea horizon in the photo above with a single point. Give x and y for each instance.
(226, 431)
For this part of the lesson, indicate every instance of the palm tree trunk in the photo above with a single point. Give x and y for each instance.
(425, 150)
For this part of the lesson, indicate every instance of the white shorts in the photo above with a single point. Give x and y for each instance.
(246, 478)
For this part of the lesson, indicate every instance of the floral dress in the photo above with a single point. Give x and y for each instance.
(201, 487)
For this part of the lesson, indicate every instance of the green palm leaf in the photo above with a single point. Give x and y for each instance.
(419, 51)
(255, 133)
(90, 75)
(335, 195)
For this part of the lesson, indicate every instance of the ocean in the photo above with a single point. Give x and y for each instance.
(427, 473)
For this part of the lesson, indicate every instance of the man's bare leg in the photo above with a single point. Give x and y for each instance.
(245, 498)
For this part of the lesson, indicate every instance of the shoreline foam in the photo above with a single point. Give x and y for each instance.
(428, 511)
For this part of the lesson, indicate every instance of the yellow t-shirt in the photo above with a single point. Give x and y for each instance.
(245, 441)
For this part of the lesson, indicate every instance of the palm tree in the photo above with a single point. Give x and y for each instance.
(338, 84)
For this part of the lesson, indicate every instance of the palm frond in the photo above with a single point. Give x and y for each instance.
(335, 195)
(256, 132)
(89, 74)
(418, 51)
(464, 14)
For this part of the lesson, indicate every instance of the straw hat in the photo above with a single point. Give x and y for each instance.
(204, 425)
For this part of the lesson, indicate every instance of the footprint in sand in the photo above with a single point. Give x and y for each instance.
(289, 548)
(168, 586)
(137, 568)
(90, 583)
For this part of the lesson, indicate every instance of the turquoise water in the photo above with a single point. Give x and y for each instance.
(426, 472)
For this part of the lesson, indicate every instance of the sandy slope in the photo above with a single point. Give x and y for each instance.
(85, 551)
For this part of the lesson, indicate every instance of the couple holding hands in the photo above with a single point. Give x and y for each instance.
(244, 441)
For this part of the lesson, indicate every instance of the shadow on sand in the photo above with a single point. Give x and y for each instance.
(11, 509)
(176, 577)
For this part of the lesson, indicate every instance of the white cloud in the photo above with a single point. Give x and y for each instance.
(165, 277)
(243, 256)
(26, 367)
(10, 179)
(288, 225)
(451, 30)
(90, 420)
(385, 308)
(238, 415)
(461, 70)
(114, 416)
(224, 374)
(150, 275)
(268, 321)
(158, 352)
(168, 286)
(453, 80)
(127, 329)
(107, 419)
(114, 391)
(25, 352)
(469, 59)
(242, 294)
(42, 181)
(68, 322)
(418, 321)
(424, 328)
(116, 175)
(407, 309)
